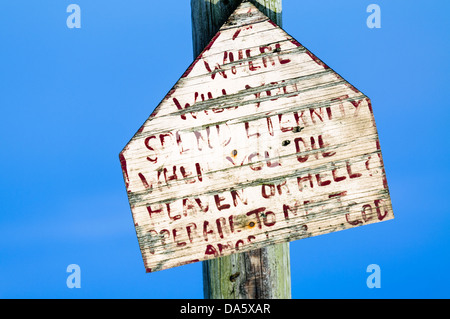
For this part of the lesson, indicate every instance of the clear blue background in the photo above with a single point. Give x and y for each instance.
(70, 100)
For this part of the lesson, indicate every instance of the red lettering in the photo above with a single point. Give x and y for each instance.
(369, 105)
(280, 187)
(190, 228)
(210, 250)
(380, 215)
(318, 115)
(231, 222)
(280, 59)
(199, 172)
(222, 247)
(218, 199)
(262, 50)
(381, 160)
(271, 189)
(154, 211)
(368, 164)
(256, 212)
(164, 237)
(250, 160)
(233, 68)
(269, 215)
(207, 230)
(356, 104)
(179, 107)
(239, 243)
(232, 161)
(240, 55)
(145, 183)
(199, 137)
(330, 115)
(270, 126)
(257, 96)
(287, 209)
(236, 34)
(337, 178)
(224, 142)
(163, 136)
(350, 173)
(341, 106)
(188, 206)
(200, 204)
(146, 142)
(316, 59)
(352, 222)
(169, 214)
(364, 214)
(323, 145)
(219, 223)
(235, 195)
(250, 63)
(216, 70)
(250, 238)
(337, 194)
(179, 244)
(320, 182)
(247, 129)
(186, 175)
(300, 117)
(282, 128)
(179, 143)
(297, 141)
(295, 90)
(300, 181)
(269, 162)
(313, 147)
(307, 203)
(123, 164)
(172, 177)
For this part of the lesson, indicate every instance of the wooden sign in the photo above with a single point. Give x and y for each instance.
(258, 143)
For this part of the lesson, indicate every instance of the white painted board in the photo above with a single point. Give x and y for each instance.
(258, 143)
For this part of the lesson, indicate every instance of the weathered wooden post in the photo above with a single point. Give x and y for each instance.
(262, 273)
(209, 15)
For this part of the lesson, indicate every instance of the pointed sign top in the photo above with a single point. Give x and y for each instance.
(259, 142)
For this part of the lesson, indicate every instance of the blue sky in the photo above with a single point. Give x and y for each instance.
(70, 100)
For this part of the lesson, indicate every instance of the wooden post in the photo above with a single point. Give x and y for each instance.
(262, 273)
(209, 15)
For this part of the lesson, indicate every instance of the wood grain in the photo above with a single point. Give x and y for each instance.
(258, 143)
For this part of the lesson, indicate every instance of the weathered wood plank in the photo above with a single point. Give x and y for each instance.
(258, 143)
